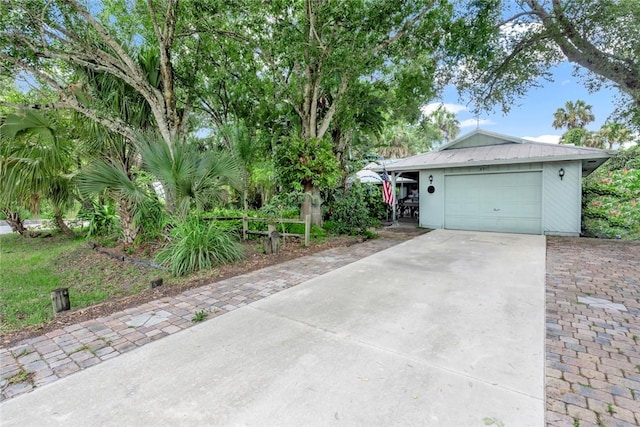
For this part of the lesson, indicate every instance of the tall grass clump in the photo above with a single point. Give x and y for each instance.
(196, 244)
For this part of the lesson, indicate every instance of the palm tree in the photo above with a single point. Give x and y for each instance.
(593, 140)
(35, 165)
(111, 177)
(191, 179)
(574, 115)
(398, 142)
(446, 122)
(113, 156)
(615, 133)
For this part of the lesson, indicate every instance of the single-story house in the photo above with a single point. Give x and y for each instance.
(485, 181)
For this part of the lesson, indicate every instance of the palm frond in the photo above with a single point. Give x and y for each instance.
(111, 177)
(190, 178)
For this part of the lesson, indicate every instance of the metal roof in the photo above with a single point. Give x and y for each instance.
(502, 150)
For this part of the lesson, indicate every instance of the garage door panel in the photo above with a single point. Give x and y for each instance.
(502, 202)
(519, 225)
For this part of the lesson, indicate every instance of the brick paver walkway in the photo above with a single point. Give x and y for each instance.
(47, 358)
(593, 332)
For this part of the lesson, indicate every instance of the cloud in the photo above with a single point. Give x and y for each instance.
(454, 108)
(549, 139)
(475, 123)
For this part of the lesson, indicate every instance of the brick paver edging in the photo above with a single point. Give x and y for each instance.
(593, 333)
(47, 358)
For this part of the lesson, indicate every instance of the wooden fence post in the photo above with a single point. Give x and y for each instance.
(272, 241)
(307, 229)
(245, 227)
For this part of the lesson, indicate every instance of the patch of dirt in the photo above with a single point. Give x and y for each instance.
(118, 271)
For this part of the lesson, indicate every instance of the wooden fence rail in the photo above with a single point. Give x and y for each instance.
(306, 221)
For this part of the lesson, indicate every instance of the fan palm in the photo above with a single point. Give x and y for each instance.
(398, 143)
(190, 178)
(114, 157)
(574, 115)
(615, 133)
(446, 122)
(35, 164)
(112, 177)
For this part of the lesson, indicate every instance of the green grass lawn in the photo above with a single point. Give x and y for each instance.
(30, 268)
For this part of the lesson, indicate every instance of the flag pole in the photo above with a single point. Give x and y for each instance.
(389, 192)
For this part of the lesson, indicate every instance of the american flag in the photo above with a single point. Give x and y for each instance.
(387, 191)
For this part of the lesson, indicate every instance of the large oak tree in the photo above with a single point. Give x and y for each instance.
(321, 57)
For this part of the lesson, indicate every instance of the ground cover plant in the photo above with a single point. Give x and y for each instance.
(33, 267)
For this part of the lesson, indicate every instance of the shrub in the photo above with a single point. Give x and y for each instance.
(350, 212)
(152, 221)
(283, 205)
(196, 244)
(103, 219)
(611, 198)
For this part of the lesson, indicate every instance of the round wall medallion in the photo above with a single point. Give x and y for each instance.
(431, 189)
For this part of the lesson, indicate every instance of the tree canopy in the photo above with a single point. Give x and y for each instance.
(537, 35)
(43, 43)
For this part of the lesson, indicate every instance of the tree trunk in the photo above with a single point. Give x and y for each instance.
(312, 204)
(129, 229)
(15, 222)
(62, 225)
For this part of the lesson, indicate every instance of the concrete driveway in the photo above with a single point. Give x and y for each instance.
(445, 329)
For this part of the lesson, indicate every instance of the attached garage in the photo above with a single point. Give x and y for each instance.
(485, 181)
(502, 202)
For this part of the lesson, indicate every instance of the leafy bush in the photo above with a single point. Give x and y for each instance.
(196, 244)
(102, 218)
(152, 220)
(283, 205)
(351, 212)
(219, 212)
(373, 197)
(611, 198)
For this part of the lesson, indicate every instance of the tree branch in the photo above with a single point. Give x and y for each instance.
(326, 121)
(406, 27)
(516, 16)
(581, 51)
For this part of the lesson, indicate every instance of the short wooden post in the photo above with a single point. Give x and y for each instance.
(307, 229)
(60, 300)
(269, 246)
(275, 241)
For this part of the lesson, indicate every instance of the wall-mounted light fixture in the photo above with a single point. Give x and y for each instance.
(561, 173)
(430, 179)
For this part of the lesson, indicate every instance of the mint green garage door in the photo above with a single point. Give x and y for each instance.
(501, 202)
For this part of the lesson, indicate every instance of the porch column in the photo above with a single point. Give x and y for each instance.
(394, 215)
